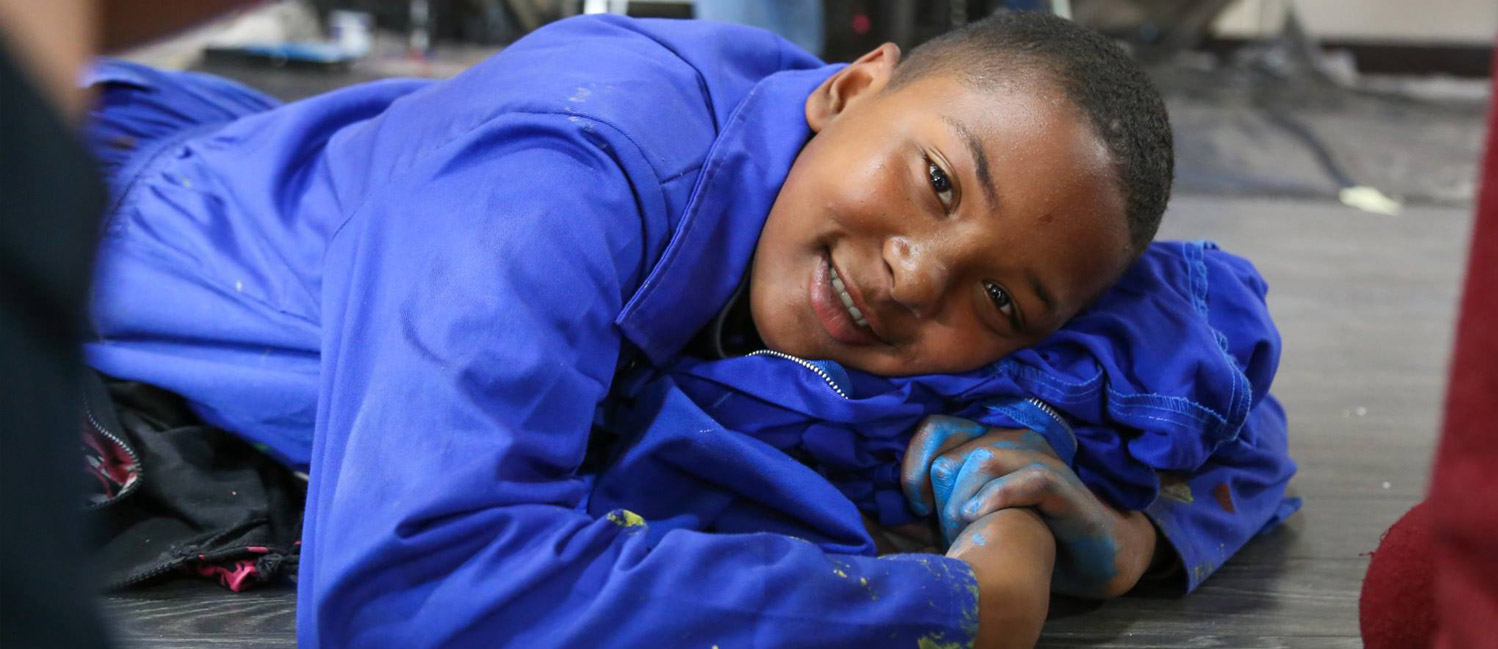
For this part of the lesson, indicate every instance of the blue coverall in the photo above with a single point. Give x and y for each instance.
(462, 305)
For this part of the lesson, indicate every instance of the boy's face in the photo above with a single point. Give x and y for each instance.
(961, 224)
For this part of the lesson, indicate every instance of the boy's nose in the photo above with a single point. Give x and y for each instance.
(918, 275)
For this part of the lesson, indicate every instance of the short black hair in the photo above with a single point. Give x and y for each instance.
(1099, 77)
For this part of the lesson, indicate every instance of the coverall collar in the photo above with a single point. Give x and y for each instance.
(714, 242)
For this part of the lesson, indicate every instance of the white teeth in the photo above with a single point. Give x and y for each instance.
(842, 294)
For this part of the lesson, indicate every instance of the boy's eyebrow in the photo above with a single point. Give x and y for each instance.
(1041, 292)
(976, 146)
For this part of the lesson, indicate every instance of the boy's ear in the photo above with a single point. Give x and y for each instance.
(861, 79)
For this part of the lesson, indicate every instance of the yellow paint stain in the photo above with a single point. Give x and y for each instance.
(929, 642)
(839, 572)
(1201, 571)
(626, 518)
(1174, 487)
(863, 581)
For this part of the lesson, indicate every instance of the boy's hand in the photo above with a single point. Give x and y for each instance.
(963, 471)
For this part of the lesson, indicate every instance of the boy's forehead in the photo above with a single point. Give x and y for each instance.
(998, 114)
(986, 106)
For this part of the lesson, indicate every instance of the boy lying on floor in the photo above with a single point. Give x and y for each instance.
(616, 338)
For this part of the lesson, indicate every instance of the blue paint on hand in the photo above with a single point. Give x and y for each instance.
(943, 478)
(938, 430)
(1029, 441)
(1088, 557)
(971, 508)
(971, 478)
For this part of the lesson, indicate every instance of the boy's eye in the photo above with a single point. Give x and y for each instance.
(1000, 299)
(940, 183)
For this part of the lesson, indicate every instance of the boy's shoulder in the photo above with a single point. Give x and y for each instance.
(717, 62)
(665, 85)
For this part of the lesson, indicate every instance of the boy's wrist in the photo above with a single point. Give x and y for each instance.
(1012, 554)
(1138, 553)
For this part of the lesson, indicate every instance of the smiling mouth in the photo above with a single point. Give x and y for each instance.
(847, 300)
(836, 309)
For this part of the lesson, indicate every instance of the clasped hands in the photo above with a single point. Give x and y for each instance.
(967, 474)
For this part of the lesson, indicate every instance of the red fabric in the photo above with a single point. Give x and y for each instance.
(1397, 609)
(1464, 489)
(236, 576)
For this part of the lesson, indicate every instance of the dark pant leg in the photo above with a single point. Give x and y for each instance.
(50, 201)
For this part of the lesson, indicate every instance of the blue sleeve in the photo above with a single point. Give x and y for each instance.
(1207, 510)
(469, 337)
(1208, 515)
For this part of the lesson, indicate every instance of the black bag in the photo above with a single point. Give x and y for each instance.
(170, 494)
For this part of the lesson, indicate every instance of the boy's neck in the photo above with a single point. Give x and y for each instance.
(730, 333)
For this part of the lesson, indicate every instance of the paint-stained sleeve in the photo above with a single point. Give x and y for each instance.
(469, 337)
(1208, 515)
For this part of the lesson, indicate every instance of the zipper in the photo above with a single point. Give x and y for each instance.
(88, 413)
(806, 364)
(183, 555)
(1047, 409)
(151, 573)
(1053, 414)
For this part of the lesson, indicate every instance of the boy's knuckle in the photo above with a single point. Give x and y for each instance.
(943, 466)
(1039, 477)
(986, 461)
